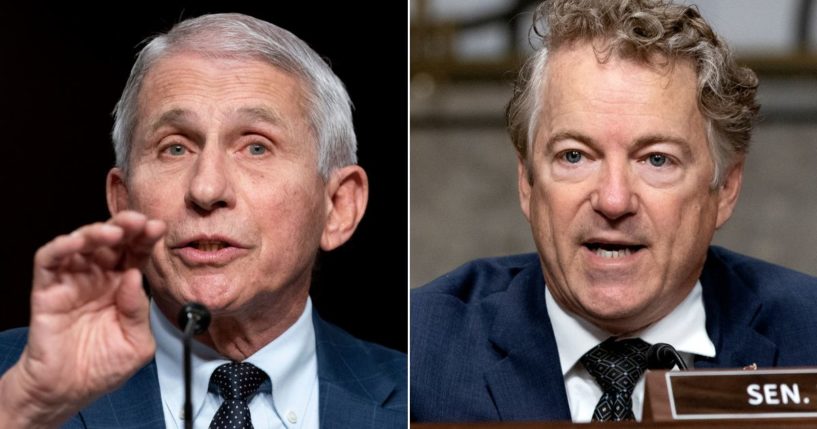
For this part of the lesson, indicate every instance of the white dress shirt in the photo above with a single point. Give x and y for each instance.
(289, 400)
(684, 328)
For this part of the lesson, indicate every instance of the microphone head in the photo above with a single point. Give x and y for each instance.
(660, 356)
(198, 314)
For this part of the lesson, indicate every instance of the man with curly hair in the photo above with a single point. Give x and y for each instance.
(631, 126)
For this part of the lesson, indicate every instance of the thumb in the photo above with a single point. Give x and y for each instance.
(132, 305)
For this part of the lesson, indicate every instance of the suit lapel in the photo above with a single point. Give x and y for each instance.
(353, 387)
(525, 382)
(732, 310)
(137, 404)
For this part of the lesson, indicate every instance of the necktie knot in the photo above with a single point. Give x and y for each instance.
(238, 380)
(617, 366)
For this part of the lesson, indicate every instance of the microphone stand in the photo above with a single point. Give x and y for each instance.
(194, 318)
(664, 356)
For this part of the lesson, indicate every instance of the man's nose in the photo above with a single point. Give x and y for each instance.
(614, 196)
(210, 186)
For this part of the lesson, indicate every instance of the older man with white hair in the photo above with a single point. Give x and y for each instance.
(236, 164)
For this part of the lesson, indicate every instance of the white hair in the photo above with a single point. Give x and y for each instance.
(240, 36)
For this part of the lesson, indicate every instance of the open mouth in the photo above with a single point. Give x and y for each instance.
(613, 250)
(208, 246)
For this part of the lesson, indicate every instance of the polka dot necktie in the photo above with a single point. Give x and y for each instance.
(616, 366)
(237, 383)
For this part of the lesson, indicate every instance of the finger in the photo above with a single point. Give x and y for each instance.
(56, 251)
(141, 234)
(106, 258)
(133, 310)
(142, 244)
(139, 248)
(132, 223)
(99, 235)
(133, 305)
(74, 264)
(83, 240)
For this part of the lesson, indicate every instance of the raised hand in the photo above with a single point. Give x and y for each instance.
(89, 329)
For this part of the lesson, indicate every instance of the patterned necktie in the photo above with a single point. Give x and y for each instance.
(616, 366)
(237, 383)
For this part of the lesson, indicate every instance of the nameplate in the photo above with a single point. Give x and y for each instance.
(731, 394)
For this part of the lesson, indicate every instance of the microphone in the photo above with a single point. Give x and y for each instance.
(197, 314)
(194, 319)
(664, 356)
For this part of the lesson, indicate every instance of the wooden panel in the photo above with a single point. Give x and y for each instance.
(734, 394)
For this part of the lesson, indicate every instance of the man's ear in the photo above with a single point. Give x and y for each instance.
(116, 191)
(729, 191)
(347, 192)
(523, 179)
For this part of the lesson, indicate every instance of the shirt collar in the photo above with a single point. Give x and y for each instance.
(684, 328)
(289, 361)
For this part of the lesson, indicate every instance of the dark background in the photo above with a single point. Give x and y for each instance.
(62, 70)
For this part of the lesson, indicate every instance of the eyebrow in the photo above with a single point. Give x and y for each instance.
(185, 117)
(640, 143)
(652, 139)
(174, 117)
(261, 114)
(570, 135)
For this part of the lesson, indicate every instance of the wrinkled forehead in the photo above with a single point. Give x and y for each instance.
(202, 83)
(575, 77)
(573, 62)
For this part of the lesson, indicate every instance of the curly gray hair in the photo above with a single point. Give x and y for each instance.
(637, 30)
(234, 35)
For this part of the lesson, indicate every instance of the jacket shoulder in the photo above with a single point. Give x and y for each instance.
(769, 281)
(376, 372)
(375, 356)
(456, 321)
(456, 301)
(787, 301)
(362, 384)
(476, 280)
(12, 343)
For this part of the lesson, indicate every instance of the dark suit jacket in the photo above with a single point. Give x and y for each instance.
(362, 385)
(482, 346)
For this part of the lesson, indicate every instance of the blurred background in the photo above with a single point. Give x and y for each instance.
(464, 58)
